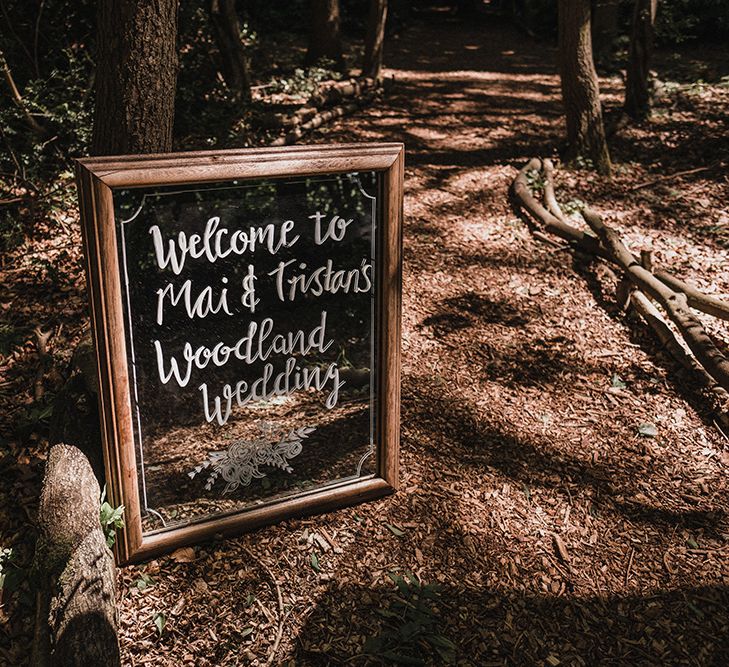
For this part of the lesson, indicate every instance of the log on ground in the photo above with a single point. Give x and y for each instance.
(76, 615)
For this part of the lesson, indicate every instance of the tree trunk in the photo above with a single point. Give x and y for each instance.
(580, 90)
(375, 38)
(637, 92)
(136, 76)
(226, 28)
(605, 25)
(325, 40)
(76, 618)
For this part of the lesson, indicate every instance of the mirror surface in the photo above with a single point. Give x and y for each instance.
(250, 316)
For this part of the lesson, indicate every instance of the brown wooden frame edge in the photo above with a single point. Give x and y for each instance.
(95, 179)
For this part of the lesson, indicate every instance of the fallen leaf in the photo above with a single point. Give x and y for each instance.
(184, 555)
(160, 620)
(394, 530)
(315, 562)
(648, 430)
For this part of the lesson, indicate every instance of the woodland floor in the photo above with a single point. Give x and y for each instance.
(555, 532)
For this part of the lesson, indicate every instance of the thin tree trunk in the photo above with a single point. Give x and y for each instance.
(375, 38)
(637, 91)
(226, 27)
(17, 97)
(580, 89)
(136, 76)
(325, 40)
(605, 25)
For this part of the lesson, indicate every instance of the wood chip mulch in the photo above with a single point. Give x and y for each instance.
(556, 533)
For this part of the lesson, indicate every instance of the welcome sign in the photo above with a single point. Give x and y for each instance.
(246, 312)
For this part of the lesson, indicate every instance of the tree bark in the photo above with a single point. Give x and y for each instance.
(580, 89)
(375, 38)
(76, 617)
(325, 40)
(637, 84)
(226, 27)
(136, 76)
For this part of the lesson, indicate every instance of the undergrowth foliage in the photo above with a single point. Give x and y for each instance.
(410, 632)
(48, 55)
(111, 519)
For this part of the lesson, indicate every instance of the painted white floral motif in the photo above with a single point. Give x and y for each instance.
(241, 463)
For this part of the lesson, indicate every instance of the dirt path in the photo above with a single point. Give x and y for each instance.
(558, 534)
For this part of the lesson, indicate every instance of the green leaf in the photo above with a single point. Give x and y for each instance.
(143, 582)
(246, 631)
(399, 582)
(11, 579)
(314, 559)
(373, 645)
(397, 532)
(692, 543)
(648, 430)
(160, 620)
(443, 642)
(110, 519)
(618, 382)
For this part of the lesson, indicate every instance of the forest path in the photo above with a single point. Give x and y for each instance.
(555, 530)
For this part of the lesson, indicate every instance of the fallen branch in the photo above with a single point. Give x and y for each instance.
(321, 118)
(669, 177)
(652, 316)
(342, 90)
(589, 244)
(698, 352)
(675, 303)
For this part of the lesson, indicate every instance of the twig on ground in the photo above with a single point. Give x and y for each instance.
(630, 565)
(41, 342)
(669, 177)
(282, 616)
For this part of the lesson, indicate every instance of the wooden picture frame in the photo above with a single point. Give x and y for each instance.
(97, 180)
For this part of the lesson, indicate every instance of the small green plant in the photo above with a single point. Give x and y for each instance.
(573, 206)
(582, 162)
(111, 519)
(305, 82)
(11, 574)
(535, 180)
(410, 630)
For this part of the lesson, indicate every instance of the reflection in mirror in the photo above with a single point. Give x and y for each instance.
(251, 312)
